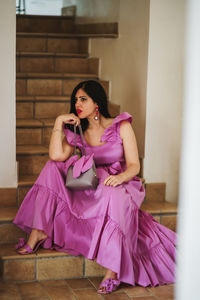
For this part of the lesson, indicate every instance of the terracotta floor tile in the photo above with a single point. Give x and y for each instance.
(9, 292)
(31, 290)
(79, 283)
(118, 296)
(145, 298)
(95, 281)
(87, 294)
(137, 291)
(53, 283)
(59, 293)
(36, 298)
(163, 292)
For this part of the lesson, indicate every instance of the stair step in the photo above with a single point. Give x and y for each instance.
(48, 44)
(57, 65)
(67, 35)
(49, 54)
(45, 265)
(49, 87)
(39, 23)
(26, 123)
(26, 180)
(30, 150)
(56, 75)
(42, 98)
(7, 213)
(8, 197)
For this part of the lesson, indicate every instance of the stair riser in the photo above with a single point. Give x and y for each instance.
(54, 268)
(31, 164)
(49, 87)
(8, 197)
(57, 65)
(56, 45)
(29, 136)
(45, 24)
(10, 233)
(24, 110)
(155, 191)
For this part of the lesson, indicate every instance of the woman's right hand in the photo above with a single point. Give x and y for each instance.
(67, 119)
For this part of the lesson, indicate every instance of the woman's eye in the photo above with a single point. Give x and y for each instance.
(83, 99)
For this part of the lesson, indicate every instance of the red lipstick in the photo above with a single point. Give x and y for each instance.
(79, 111)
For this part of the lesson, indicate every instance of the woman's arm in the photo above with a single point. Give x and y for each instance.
(59, 149)
(131, 156)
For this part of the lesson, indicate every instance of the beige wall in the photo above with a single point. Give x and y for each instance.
(94, 11)
(164, 94)
(8, 174)
(124, 63)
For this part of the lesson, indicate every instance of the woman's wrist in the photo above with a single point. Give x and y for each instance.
(58, 123)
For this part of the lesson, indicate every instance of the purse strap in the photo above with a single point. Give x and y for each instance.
(82, 139)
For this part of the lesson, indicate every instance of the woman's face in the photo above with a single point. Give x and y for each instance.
(84, 105)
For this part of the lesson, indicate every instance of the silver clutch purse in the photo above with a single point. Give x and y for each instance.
(87, 180)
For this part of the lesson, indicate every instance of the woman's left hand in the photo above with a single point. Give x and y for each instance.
(114, 180)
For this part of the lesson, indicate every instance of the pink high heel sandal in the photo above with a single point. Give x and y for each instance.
(110, 286)
(29, 250)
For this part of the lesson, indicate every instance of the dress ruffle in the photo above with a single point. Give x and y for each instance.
(112, 132)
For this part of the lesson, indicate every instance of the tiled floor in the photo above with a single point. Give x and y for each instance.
(80, 289)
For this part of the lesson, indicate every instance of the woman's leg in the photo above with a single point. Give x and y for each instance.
(34, 237)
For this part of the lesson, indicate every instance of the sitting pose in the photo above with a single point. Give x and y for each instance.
(105, 224)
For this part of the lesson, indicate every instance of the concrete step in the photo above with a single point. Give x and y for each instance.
(51, 265)
(39, 23)
(56, 64)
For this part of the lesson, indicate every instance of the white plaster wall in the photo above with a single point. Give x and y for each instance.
(164, 94)
(8, 170)
(123, 62)
(188, 262)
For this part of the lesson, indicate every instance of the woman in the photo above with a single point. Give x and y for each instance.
(105, 224)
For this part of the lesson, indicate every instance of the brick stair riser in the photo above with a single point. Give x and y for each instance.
(8, 197)
(31, 164)
(33, 136)
(49, 87)
(51, 268)
(57, 65)
(55, 45)
(45, 24)
(10, 233)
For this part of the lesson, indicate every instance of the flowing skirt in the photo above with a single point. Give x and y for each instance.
(106, 225)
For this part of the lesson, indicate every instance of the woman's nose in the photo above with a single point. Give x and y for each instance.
(78, 101)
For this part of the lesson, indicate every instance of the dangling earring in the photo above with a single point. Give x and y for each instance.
(97, 113)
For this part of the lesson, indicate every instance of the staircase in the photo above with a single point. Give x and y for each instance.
(52, 57)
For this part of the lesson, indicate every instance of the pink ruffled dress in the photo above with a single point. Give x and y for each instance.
(105, 224)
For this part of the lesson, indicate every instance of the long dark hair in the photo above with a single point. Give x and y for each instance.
(95, 91)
